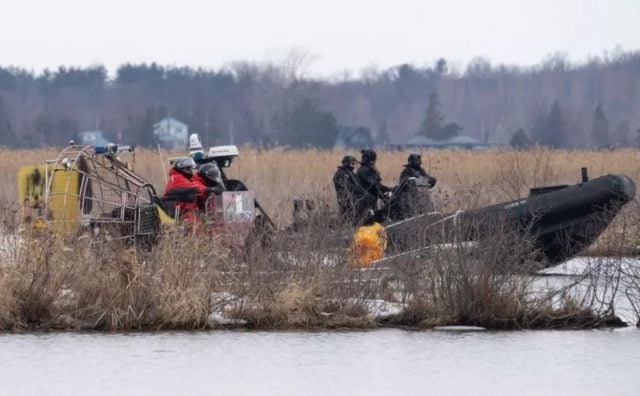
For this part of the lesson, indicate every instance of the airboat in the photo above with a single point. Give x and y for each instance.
(92, 190)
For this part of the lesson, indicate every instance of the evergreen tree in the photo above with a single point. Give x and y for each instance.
(450, 130)
(53, 130)
(600, 128)
(7, 137)
(66, 130)
(146, 127)
(44, 125)
(411, 84)
(539, 125)
(441, 67)
(432, 124)
(306, 125)
(555, 132)
(140, 129)
(8, 80)
(520, 140)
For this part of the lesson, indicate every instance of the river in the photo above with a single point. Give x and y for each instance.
(378, 362)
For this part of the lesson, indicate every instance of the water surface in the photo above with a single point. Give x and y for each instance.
(380, 362)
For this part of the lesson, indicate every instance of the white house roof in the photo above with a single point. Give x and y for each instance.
(456, 141)
(92, 137)
(422, 141)
(463, 139)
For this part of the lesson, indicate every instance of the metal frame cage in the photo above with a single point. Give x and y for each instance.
(89, 186)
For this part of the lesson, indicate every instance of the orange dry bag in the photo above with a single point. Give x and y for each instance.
(369, 244)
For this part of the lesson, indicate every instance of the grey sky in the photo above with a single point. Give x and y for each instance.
(338, 34)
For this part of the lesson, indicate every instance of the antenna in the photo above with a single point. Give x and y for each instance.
(164, 171)
(231, 131)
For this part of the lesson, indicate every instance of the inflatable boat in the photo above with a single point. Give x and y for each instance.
(559, 221)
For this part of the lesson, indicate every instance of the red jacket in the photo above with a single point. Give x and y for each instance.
(185, 193)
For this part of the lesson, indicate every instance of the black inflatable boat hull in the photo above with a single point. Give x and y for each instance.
(562, 221)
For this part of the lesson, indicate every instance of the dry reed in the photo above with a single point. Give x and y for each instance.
(300, 279)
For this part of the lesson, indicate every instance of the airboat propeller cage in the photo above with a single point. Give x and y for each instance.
(89, 186)
(223, 155)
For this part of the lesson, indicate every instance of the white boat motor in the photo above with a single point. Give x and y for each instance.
(223, 155)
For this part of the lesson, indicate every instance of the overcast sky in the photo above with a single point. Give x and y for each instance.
(337, 34)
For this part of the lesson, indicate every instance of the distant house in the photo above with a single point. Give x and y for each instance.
(354, 138)
(95, 138)
(171, 133)
(456, 142)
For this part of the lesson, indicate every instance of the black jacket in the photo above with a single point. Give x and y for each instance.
(346, 183)
(416, 171)
(349, 193)
(408, 200)
(371, 181)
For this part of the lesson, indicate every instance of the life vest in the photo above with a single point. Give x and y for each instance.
(192, 190)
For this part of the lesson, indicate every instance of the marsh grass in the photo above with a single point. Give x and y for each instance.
(300, 278)
(279, 175)
(47, 284)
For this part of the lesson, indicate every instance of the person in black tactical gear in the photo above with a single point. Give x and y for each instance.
(414, 168)
(211, 176)
(370, 180)
(348, 189)
(412, 196)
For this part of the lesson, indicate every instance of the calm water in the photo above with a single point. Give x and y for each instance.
(375, 362)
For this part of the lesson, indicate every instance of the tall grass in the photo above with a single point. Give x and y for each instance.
(46, 284)
(301, 278)
(278, 175)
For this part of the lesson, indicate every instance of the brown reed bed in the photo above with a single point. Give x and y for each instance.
(278, 175)
(302, 280)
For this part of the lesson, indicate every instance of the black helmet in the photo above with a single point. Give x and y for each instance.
(349, 161)
(211, 175)
(185, 166)
(368, 156)
(415, 159)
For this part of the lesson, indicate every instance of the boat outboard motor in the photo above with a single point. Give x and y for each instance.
(223, 155)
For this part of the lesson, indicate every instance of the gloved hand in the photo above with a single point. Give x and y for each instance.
(432, 182)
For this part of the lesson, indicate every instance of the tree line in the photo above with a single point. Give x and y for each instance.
(555, 103)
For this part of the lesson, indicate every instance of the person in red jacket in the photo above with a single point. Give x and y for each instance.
(185, 189)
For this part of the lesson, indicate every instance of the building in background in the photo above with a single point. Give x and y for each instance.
(95, 138)
(456, 142)
(171, 133)
(354, 138)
